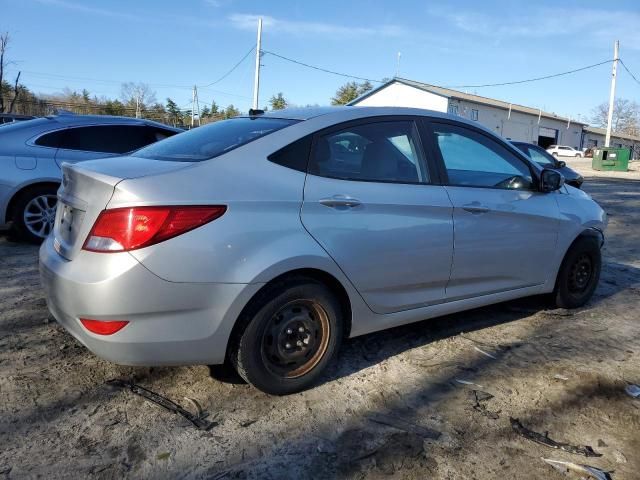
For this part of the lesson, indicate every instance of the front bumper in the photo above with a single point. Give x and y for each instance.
(169, 323)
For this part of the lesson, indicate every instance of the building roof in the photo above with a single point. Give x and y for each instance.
(449, 93)
(603, 132)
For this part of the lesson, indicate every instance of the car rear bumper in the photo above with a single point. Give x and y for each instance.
(169, 323)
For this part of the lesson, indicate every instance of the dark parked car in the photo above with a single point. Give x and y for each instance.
(546, 160)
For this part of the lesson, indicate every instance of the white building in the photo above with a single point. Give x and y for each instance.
(594, 137)
(515, 122)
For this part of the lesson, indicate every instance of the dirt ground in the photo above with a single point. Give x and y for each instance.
(375, 413)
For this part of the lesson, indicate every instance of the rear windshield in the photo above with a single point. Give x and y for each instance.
(212, 140)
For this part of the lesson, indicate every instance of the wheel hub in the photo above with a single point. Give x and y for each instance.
(580, 274)
(295, 338)
(39, 215)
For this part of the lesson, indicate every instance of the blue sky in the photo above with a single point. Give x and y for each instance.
(171, 45)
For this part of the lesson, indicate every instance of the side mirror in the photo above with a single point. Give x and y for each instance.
(561, 164)
(550, 180)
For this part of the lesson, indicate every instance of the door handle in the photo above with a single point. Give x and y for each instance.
(340, 201)
(475, 208)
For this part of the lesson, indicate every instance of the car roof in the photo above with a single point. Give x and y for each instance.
(344, 113)
(66, 118)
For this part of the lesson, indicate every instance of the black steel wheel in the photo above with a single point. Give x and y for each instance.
(287, 335)
(296, 338)
(579, 273)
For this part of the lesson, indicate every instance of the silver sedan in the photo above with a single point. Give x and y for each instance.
(32, 151)
(260, 242)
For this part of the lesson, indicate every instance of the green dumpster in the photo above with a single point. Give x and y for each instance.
(611, 158)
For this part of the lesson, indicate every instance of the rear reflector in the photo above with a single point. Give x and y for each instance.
(124, 229)
(101, 327)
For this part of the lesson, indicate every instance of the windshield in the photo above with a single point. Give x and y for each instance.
(212, 140)
(537, 154)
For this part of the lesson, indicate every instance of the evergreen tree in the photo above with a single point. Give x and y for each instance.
(278, 102)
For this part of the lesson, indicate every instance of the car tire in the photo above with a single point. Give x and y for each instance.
(287, 336)
(555, 154)
(578, 155)
(579, 273)
(33, 213)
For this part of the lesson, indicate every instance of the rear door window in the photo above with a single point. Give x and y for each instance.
(374, 152)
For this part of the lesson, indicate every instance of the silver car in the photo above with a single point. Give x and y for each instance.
(32, 151)
(260, 242)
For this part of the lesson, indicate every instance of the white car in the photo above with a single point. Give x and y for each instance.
(564, 151)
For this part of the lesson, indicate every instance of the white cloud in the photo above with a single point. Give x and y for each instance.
(592, 25)
(86, 9)
(217, 3)
(295, 27)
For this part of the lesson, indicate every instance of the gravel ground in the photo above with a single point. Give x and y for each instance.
(378, 407)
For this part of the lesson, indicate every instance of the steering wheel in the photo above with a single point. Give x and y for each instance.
(512, 183)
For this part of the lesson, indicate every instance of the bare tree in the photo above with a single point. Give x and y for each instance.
(138, 95)
(626, 116)
(4, 44)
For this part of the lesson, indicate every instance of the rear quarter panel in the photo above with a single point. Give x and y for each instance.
(260, 235)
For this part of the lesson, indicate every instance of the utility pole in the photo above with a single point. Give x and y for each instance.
(256, 80)
(612, 95)
(195, 106)
(138, 112)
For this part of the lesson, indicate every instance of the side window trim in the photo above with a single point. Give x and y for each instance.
(422, 151)
(442, 170)
(438, 173)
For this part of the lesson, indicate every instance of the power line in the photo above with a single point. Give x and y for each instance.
(97, 80)
(629, 71)
(531, 79)
(153, 85)
(320, 68)
(232, 69)
(515, 82)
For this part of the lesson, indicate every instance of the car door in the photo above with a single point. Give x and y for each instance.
(81, 143)
(504, 228)
(371, 203)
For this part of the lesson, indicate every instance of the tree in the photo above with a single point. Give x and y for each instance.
(4, 45)
(215, 109)
(278, 102)
(231, 112)
(364, 87)
(137, 95)
(173, 111)
(346, 93)
(350, 91)
(626, 116)
(114, 107)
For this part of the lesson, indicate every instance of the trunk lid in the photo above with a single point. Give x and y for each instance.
(86, 190)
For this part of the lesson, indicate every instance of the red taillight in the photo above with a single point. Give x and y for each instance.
(100, 327)
(123, 229)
